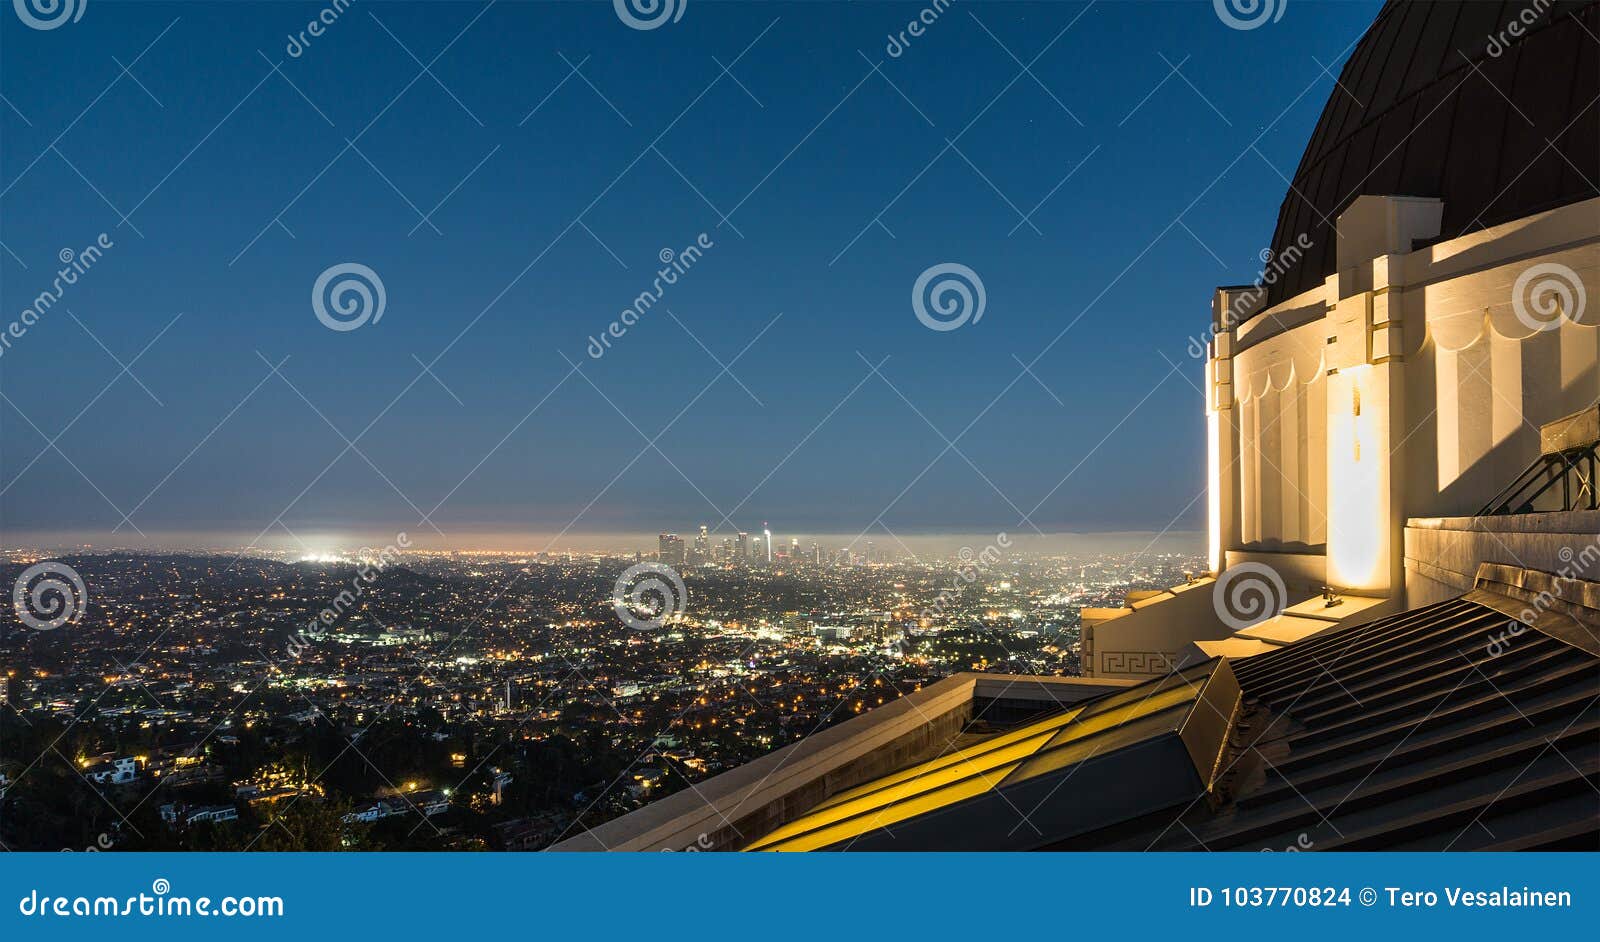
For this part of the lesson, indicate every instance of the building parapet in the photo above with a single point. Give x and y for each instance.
(728, 810)
(1442, 554)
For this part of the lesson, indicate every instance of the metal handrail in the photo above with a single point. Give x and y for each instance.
(1576, 470)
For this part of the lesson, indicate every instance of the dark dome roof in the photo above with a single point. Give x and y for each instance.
(1438, 99)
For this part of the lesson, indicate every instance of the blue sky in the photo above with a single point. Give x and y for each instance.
(1099, 196)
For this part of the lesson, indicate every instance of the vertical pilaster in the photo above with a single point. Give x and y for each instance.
(1222, 432)
(1366, 392)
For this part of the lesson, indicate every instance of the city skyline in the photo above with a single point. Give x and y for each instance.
(314, 544)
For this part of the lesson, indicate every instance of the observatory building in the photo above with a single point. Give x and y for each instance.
(1398, 646)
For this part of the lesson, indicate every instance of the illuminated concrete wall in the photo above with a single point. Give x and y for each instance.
(1410, 383)
(1443, 553)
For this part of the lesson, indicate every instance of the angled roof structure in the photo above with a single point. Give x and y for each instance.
(1472, 723)
(1124, 754)
(1450, 727)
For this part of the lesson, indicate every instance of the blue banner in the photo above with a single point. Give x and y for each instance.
(790, 896)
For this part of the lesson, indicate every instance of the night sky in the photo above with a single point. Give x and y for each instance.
(517, 196)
